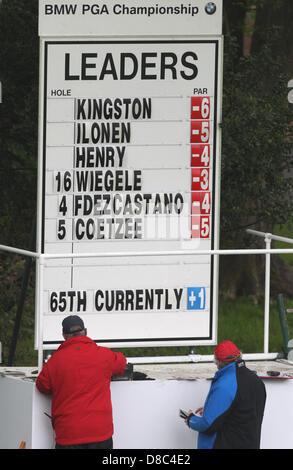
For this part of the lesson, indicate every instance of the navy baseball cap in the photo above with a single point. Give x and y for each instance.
(72, 324)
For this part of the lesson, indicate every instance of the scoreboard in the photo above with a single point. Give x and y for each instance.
(129, 162)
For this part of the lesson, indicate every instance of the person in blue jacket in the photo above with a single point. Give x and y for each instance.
(232, 415)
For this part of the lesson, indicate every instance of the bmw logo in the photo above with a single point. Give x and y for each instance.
(210, 8)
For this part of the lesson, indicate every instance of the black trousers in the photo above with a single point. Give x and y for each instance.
(108, 444)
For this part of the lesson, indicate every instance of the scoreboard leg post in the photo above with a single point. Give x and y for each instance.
(40, 303)
(268, 241)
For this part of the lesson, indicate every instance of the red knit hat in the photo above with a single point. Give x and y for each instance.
(226, 351)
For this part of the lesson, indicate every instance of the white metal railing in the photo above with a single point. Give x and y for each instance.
(268, 251)
(19, 251)
(270, 236)
(129, 254)
(267, 240)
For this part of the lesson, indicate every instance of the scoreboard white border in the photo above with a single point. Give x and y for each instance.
(154, 342)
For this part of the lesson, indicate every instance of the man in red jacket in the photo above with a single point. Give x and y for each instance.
(78, 376)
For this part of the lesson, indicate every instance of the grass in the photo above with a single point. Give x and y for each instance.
(243, 322)
(239, 320)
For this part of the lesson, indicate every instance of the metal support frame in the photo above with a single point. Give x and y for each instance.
(40, 273)
(283, 322)
(268, 237)
(267, 295)
(21, 301)
(268, 251)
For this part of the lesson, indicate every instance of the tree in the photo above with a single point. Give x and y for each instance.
(18, 157)
(257, 142)
(18, 119)
(257, 159)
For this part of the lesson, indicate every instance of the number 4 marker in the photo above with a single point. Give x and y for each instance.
(200, 155)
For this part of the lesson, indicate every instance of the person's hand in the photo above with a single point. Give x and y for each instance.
(199, 411)
(190, 412)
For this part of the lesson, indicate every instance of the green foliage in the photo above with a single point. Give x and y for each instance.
(11, 274)
(287, 232)
(18, 119)
(257, 140)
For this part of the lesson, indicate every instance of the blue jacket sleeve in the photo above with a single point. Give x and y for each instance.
(218, 402)
(199, 424)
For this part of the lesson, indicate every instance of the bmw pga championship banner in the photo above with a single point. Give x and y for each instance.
(129, 162)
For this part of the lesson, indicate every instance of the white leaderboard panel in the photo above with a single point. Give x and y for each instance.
(129, 159)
